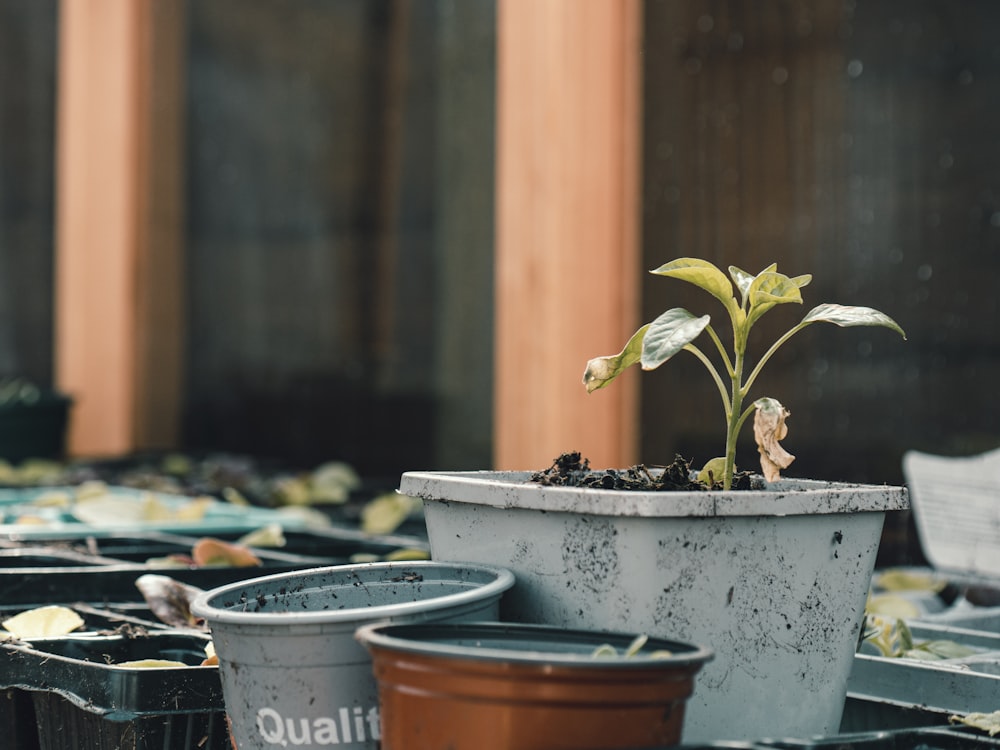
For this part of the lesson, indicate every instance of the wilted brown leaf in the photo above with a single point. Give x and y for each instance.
(768, 428)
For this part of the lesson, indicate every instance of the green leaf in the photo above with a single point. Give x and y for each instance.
(712, 471)
(801, 281)
(847, 316)
(743, 280)
(770, 289)
(668, 334)
(702, 274)
(602, 370)
(905, 635)
(776, 288)
(937, 650)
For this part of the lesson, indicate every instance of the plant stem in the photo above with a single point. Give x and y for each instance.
(734, 419)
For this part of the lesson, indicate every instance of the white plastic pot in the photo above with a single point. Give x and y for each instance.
(773, 581)
(293, 674)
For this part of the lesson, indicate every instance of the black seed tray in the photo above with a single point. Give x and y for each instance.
(78, 692)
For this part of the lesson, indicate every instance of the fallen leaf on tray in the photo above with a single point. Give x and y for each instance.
(211, 658)
(987, 722)
(151, 664)
(169, 599)
(271, 535)
(44, 621)
(898, 579)
(892, 605)
(208, 551)
(386, 513)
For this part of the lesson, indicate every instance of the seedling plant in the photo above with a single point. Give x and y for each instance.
(746, 298)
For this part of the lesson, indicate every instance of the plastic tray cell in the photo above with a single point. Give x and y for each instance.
(79, 692)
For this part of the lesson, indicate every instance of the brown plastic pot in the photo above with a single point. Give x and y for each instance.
(505, 686)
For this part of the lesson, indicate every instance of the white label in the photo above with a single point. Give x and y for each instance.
(347, 726)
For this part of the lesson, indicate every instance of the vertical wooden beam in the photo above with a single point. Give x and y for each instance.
(567, 250)
(117, 223)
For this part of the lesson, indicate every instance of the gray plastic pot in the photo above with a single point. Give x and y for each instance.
(293, 673)
(774, 581)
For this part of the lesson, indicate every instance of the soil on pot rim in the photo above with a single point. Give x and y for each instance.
(572, 470)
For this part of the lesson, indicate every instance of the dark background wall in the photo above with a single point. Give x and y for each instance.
(854, 141)
(27, 134)
(340, 204)
(339, 200)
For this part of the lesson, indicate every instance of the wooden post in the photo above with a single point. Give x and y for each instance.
(118, 223)
(567, 248)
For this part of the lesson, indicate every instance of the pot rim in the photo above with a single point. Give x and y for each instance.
(435, 639)
(786, 497)
(203, 605)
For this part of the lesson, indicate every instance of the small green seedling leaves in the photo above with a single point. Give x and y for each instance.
(770, 289)
(668, 334)
(677, 329)
(702, 274)
(845, 317)
(894, 640)
(712, 471)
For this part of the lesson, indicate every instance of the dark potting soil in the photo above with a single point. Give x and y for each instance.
(572, 470)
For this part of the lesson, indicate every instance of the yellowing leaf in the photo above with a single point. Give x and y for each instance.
(770, 289)
(169, 599)
(385, 513)
(702, 274)
(208, 551)
(30, 521)
(712, 471)
(743, 280)
(292, 491)
(636, 645)
(94, 488)
(53, 499)
(768, 428)
(44, 621)
(151, 664)
(194, 510)
(898, 579)
(987, 722)
(333, 482)
(107, 510)
(401, 555)
(234, 496)
(271, 535)
(892, 605)
(154, 509)
(602, 370)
